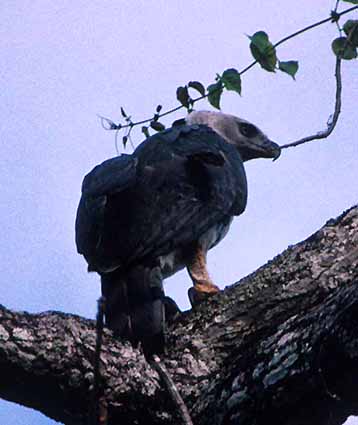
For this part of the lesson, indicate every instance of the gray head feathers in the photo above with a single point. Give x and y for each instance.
(249, 139)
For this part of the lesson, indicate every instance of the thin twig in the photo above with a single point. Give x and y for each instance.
(283, 40)
(130, 138)
(332, 122)
(335, 12)
(163, 373)
(116, 140)
(99, 416)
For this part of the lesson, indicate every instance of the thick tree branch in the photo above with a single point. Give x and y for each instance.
(281, 346)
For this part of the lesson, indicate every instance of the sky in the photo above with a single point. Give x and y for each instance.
(63, 63)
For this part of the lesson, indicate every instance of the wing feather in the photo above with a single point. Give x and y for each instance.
(175, 186)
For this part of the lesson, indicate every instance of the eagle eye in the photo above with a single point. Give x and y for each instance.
(248, 130)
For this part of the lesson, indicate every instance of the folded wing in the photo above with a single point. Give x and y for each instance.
(171, 190)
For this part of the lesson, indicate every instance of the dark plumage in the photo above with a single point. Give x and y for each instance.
(144, 216)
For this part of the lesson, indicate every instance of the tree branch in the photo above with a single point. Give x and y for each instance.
(281, 346)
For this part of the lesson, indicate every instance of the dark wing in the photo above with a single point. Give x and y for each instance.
(175, 186)
(113, 175)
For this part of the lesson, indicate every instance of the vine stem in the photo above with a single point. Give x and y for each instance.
(332, 122)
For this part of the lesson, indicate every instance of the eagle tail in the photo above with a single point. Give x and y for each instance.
(135, 307)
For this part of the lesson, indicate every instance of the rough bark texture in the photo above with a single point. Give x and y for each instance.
(280, 346)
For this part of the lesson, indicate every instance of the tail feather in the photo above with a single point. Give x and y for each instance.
(135, 308)
(117, 313)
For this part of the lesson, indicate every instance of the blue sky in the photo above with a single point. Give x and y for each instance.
(65, 62)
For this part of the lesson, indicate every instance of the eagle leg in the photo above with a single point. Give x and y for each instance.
(203, 285)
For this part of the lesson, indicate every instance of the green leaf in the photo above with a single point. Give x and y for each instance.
(183, 96)
(157, 126)
(260, 40)
(343, 49)
(351, 1)
(145, 131)
(232, 80)
(197, 86)
(351, 29)
(214, 94)
(263, 51)
(289, 67)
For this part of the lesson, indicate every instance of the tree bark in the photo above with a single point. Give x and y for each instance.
(280, 346)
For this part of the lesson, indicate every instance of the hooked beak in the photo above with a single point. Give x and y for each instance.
(267, 149)
(274, 150)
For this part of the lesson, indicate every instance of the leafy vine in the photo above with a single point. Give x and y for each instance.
(264, 53)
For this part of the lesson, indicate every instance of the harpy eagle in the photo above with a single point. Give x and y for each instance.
(142, 217)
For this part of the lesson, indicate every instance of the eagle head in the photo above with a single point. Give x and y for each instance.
(249, 139)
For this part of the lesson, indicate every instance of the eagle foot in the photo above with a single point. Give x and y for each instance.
(199, 293)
